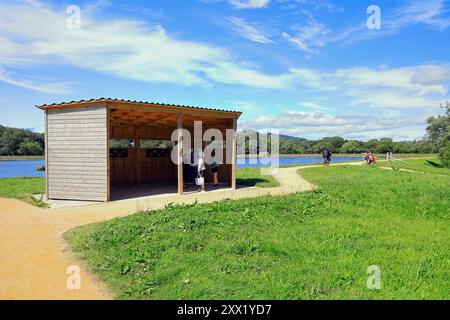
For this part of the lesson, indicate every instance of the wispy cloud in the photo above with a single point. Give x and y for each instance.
(247, 31)
(316, 35)
(307, 5)
(36, 35)
(308, 37)
(320, 124)
(314, 106)
(427, 12)
(249, 4)
(33, 34)
(397, 99)
(430, 13)
(39, 85)
(416, 87)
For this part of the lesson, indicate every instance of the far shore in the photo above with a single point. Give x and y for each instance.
(341, 155)
(11, 158)
(346, 155)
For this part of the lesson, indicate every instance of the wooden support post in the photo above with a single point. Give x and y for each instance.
(47, 195)
(108, 160)
(180, 153)
(137, 148)
(234, 155)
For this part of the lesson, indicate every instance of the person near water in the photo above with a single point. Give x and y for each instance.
(372, 159)
(367, 158)
(326, 153)
(389, 155)
(215, 169)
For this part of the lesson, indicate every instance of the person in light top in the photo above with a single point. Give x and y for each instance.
(201, 168)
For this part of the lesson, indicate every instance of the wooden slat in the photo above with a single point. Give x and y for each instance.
(47, 192)
(180, 153)
(234, 155)
(108, 160)
(77, 196)
(77, 154)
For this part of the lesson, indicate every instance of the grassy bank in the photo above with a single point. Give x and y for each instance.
(22, 188)
(347, 155)
(430, 165)
(315, 245)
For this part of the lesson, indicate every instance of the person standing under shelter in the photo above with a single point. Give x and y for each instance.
(215, 163)
(201, 168)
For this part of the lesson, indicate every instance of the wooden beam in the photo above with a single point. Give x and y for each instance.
(137, 146)
(46, 156)
(108, 161)
(175, 110)
(180, 153)
(234, 155)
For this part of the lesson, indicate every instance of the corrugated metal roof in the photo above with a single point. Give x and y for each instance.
(130, 101)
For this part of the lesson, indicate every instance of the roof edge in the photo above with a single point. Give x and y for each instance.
(111, 100)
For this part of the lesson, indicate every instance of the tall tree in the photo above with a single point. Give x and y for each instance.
(438, 132)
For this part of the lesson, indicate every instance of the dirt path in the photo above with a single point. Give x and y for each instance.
(34, 257)
(413, 171)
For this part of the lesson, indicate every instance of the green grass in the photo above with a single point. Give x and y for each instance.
(347, 155)
(252, 177)
(315, 245)
(9, 158)
(431, 165)
(22, 189)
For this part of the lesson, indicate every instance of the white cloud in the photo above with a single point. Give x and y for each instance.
(398, 98)
(247, 31)
(423, 86)
(32, 34)
(308, 37)
(249, 4)
(320, 124)
(315, 35)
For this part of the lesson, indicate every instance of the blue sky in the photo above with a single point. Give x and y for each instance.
(307, 68)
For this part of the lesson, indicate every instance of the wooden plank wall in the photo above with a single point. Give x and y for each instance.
(77, 153)
(151, 171)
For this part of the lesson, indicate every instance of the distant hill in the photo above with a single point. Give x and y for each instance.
(281, 136)
(286, 137)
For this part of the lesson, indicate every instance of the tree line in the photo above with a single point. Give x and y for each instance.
(21, 142)
(339, 145)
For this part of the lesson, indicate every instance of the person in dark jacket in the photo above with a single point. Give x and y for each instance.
(326, 153)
